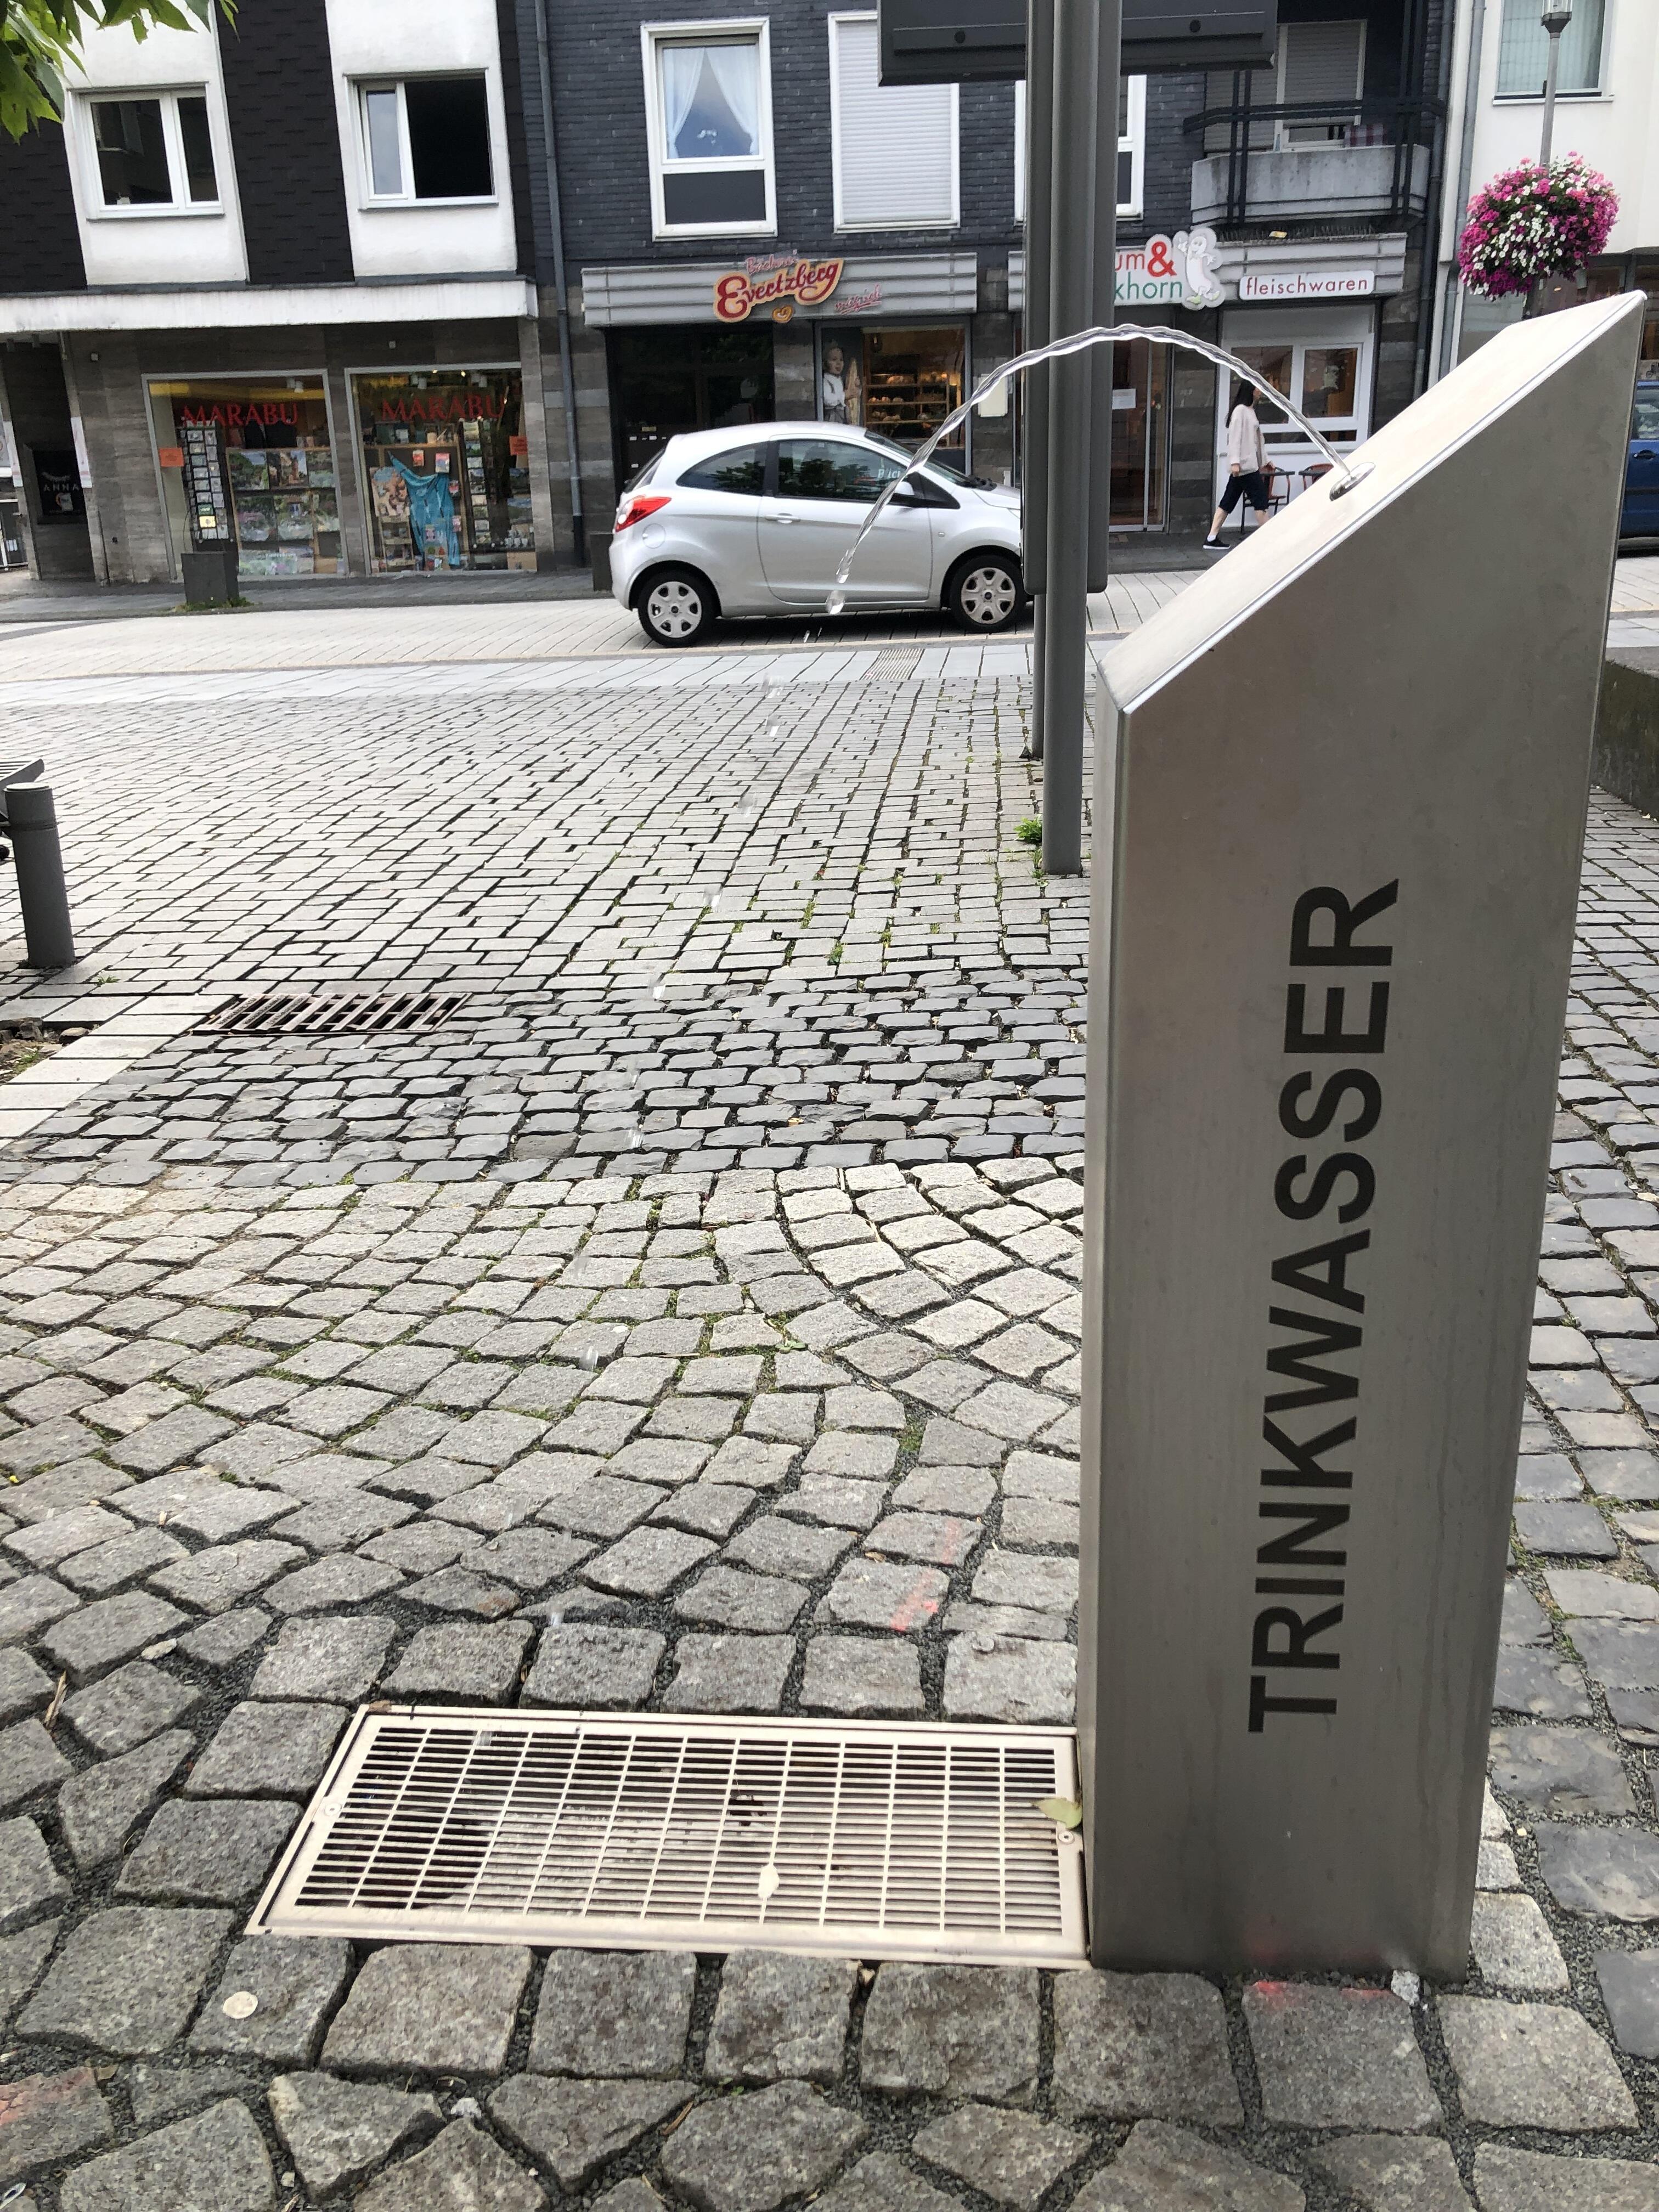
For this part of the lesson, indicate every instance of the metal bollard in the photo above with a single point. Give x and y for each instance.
(32, 827)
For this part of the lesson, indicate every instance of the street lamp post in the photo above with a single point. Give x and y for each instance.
(1557, 15)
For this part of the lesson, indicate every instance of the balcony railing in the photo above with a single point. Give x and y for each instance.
(1310, 158)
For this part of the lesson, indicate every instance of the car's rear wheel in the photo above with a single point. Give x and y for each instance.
(675, 606)
(984, 592)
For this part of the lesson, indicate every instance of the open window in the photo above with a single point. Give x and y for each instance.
(152, 152)
(708, 110)
(426, 138)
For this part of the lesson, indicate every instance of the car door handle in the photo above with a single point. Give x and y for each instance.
(782, 518)
(1646, 453)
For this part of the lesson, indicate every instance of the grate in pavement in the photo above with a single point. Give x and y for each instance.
(898, 1841)
(897, 664)
(334, 1013)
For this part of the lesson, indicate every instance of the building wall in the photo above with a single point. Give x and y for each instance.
(279, 90)
(44, 253)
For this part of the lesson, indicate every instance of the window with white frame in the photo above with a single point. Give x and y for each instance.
(1523, 50)
(894, 148)
(1131, 146)
(426, 138)
(152, 151)
(708, 108)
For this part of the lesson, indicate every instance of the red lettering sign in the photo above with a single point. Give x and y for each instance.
(738, 293)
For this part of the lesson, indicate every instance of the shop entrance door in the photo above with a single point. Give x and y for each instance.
(1139, 436)
(1321, 360)
(665, 381)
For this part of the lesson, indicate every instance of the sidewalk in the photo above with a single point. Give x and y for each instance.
(690, 1324)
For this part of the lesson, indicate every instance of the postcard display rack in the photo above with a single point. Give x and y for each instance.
(287, 509)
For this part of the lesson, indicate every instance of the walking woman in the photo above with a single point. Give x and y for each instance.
(1247, 467)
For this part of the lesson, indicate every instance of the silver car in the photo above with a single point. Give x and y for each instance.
(756, 522)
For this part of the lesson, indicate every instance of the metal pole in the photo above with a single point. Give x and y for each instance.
(32, 826)
(1034, 473)
(1465, 175)
(1071, 298)
(561, 296)
(1555, 21)
(1103, 360)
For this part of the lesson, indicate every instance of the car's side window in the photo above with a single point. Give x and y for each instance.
(1644, 423)
(742, 470)
(833, 468)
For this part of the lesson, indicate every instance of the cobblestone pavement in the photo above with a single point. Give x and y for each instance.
(706, 1342)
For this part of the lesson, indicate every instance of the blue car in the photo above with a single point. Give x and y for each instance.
(1640, 515)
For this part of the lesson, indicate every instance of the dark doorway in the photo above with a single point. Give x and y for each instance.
(667, 380)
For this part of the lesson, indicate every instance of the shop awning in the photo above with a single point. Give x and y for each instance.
(875, 284)
(249, 306)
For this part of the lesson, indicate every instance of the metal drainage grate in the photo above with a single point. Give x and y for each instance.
(334, 1013)
(652, 1832)
(895, 664)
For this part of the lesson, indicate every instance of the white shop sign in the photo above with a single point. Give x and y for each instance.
(1307, 284)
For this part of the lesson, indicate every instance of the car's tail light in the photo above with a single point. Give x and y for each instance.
(636, 508)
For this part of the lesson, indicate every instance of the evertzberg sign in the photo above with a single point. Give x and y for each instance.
(1338, 819)
(739, 291)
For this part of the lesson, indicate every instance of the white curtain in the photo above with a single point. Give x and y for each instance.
(733, 70)
(682, 69)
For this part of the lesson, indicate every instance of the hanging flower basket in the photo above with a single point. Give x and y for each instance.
(1533, 222)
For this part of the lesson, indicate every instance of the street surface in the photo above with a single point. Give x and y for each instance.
(691, 1324)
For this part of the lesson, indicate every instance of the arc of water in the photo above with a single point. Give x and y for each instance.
(1080, 342)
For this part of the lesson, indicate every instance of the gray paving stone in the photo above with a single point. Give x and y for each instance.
(706, 1509)
(952, 2032)
(1563, 1528)
(22, 1959)
(1614, 1872)
(215, 2162)
(101, 1805)
(1533, 2066)
(582, 1664)
(126, 1980)
(1338, 2058)
(297, 1981)
(1168, 2169)
(127, 1707)
(878, 2183)
(461, 1589)
(214, 1580)
(1009, 2156)
(1142, 2046)
(433, 2009)
(733, 1598)
(463, 2170)
(47, 2119)
(648, 1561)
(1629, 1990)
(849, 1674)
(776, 1545)
(23, 1687)
(620, 2014)
(338, 1581)
(1393, 2173)
(752, 2153)
(781, 2018)
(461, 1663)
(868, 1594)
(101, 1635)
(1513, 1946)
(1535, 1682)
(339, 1660)
(1569, 1772)
(338, 2133)
(268, 1751)
(577, 2127)
(1044, 1585)
(730, 1674)
(30, 1762)
(30, 1886)
(221, 1641)
(109, 1566)
(1509, 2180)
(163, 2093)
(1027, 1684)
(31, 1604)
(210, 1851)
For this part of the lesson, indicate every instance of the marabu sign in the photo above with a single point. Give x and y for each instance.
(766, 282)
(1324, 1022)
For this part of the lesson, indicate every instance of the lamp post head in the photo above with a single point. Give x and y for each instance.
(1556, 16)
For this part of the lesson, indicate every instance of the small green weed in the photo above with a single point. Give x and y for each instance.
(1029, 831)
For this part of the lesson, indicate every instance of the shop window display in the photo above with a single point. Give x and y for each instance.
(445, 469)
(900, 383)
(250, 461)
